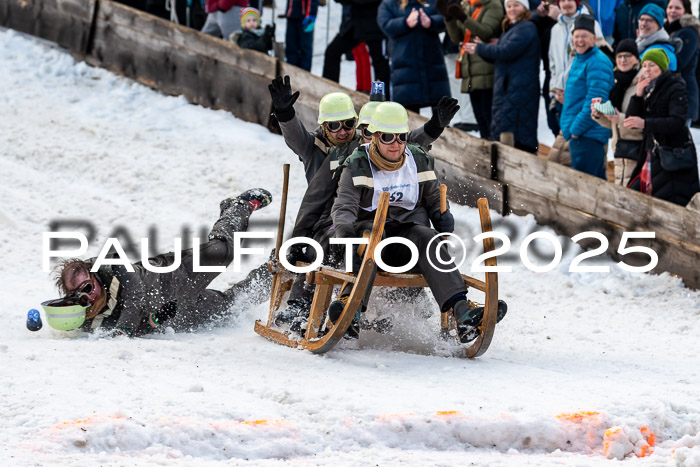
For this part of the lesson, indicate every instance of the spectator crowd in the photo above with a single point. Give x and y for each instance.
(618, 73)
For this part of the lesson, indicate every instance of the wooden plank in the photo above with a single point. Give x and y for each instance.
(679, 258)
(596, 197)
(180, 61)
(66, 22)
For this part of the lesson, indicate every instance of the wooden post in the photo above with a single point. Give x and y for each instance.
(276, 291)
(444, 317)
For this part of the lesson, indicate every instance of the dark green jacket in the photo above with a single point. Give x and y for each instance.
(477, 74)
(355, 190)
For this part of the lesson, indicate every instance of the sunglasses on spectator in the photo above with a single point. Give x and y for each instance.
(347, 124)
(388, 138)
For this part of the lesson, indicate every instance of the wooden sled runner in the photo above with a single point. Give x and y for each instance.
(326, 278)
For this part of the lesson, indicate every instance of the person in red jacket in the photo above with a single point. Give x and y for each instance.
(223, 17)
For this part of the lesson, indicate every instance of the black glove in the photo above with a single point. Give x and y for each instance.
(165, 313)
(444, 223)
(282, 98)
(344, 231)
(444, 111)
(269, 35)
(295, 254)
(441, 7)
(455, 11)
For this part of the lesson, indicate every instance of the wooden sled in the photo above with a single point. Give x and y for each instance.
(326, 278)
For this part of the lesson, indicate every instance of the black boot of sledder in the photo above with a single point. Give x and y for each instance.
(469, 316)
(336, 308)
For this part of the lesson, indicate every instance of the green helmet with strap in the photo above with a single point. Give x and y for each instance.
(389, 117)
(366, 112)
(64, 314)
(335, 107)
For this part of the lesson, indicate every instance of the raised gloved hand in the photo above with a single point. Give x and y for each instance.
(296, 254)
(166, 312)
(444, 223)
(444, 111)
(282, 98)
(308, 23)
(455, 11)
(269, 35)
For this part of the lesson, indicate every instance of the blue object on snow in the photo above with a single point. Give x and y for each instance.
(34, 320)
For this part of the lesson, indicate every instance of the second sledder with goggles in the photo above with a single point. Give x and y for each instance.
(406, 171)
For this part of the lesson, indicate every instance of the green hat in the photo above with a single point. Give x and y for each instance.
(335, 107)
(366, 112)
(657, 56)
(64, 314)
(389, 117)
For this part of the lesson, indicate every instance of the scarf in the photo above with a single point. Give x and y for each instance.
(644, 42)
(379, 161)
(332, 140)
(623, 80)
(96, 307)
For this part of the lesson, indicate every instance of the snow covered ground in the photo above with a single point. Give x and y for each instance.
(586, 369)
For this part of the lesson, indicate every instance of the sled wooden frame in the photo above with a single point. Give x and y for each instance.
(326, 278)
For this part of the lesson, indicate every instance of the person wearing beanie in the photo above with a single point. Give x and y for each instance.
(223, 17)
(626, 142)
(250, 18)
(659, 108)
(653, 35)
(590, 77)
(626, 17)
(561, 55)
(250, 36)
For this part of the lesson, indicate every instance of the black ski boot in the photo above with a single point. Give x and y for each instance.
(336, 309)
(296, 313)
(256, 198)
(469, 316)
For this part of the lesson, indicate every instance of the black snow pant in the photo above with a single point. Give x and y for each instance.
(443, 285)
(197, 305)
(344, 43)
(301, 291)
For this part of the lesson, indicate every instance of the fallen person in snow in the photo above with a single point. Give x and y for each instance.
(120, 302)
(406, 171)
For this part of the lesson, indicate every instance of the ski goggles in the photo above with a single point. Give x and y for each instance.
(70, 301)
(348, 124)
(366, 133)
(388, 138)
(85, 288)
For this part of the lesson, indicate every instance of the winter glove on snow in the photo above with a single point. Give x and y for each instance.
(455, 11)
(282, 98)
(444, 111)
(165, 313)
(308, 23)
(444, 223)
(295, 254)
(116, 332)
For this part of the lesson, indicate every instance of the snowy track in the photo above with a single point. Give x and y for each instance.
(577, 356)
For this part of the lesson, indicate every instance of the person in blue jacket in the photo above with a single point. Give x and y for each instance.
(516, 84)
(590, 77)
(418, 72)
(299, 38)
(652, 35)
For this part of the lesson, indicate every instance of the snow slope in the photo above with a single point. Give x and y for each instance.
(583, 370)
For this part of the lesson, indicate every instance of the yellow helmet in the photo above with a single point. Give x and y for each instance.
(389, 117)
(366, 112)
(335, 107)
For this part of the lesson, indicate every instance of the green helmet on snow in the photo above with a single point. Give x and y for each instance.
(65, 314)
(335, 107)
(389, 117)
(366, 112)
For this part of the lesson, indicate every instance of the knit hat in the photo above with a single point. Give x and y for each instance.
(578, 2)
(585, 22)
(629, 46)
(655, 11)
(522, 2)
(657, 56)
(245, 12)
